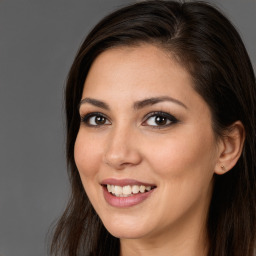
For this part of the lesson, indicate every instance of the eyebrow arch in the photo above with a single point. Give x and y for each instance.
(94, 102)
(155, 100)
(137, 105)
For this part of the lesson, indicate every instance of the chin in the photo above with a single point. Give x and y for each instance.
(126, 234)
(125, 229)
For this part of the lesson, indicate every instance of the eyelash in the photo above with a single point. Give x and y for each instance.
(85, 119)
(172, 120)
(169, 118)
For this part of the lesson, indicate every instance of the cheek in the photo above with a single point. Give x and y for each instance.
(87, 155)
(88, 158)
(185, 155)
(184, 168)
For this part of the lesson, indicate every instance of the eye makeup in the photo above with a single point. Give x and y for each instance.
(155, 119)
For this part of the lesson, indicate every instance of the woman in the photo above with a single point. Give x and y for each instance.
(160, 106)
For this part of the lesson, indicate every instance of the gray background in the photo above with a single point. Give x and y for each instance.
(38, 40)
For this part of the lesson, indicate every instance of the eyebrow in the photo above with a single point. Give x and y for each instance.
(137, 105)
(94, 102)
(155, 100)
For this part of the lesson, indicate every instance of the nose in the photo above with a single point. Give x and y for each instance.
(122, 149)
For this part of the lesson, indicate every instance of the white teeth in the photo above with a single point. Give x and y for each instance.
(148, 188)
(118, 190)
(135, 189)
(142, 189)
(122, 195)
(127, 190)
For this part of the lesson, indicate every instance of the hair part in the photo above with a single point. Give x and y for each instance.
(205, 42)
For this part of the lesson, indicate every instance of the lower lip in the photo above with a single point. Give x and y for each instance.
(123, 202)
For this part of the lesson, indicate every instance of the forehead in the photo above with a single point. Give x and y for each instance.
(136, 67)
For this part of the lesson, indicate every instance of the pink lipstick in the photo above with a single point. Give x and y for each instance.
(126, 192)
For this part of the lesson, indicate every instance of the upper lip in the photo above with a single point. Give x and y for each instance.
(125, 182)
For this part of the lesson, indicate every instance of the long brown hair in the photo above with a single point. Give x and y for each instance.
(205, 42)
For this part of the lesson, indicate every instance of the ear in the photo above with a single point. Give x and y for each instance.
(230, 148)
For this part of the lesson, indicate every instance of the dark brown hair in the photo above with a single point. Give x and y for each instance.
(209, 47)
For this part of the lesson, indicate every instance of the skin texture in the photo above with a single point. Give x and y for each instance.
(180, 158)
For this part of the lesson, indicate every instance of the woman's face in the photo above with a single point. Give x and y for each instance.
(146, 136)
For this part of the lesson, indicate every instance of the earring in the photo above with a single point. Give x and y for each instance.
(223, 167)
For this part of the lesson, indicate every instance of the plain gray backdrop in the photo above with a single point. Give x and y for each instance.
(38, 41)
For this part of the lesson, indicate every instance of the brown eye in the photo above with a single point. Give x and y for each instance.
(159, 119)
(99, 120)
(94, 119)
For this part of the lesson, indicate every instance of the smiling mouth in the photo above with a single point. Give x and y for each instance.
(128, 190)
